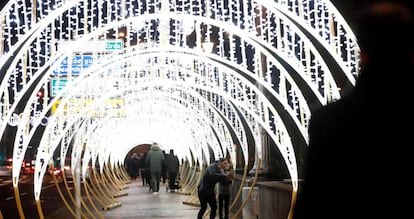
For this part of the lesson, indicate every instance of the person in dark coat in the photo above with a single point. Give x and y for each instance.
(132, 166)
(212, 175)
(164, 170)
(144, 171)
(357, 157)
(224, 192)
(155, 160)
(173, 165)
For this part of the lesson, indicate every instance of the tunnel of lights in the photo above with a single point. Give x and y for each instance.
(91, 80)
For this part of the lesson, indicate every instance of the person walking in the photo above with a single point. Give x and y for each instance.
(132, 166)
(155, 160)
(224, 191)
(143, 170)
(173, 165)
(358, 144)
(163, 170)
(135, 166)
(213, 174)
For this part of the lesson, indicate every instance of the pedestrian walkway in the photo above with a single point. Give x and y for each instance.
(140, 203)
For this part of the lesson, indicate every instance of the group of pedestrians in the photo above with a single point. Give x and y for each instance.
(154, 167)
(217, 176)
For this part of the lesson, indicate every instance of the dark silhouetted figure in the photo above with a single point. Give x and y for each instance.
(224, 192)
(132, 166)
(213, 174)
(155, 160)
(357, 161)
(144, 171)
(164, 170)
(173, 166)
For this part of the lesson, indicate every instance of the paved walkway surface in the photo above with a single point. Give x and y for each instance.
(140, 203)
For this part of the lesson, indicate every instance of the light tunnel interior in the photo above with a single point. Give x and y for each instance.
(90, 81)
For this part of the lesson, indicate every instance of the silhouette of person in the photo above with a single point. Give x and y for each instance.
(357, 158)
(132, 166)
(173, 165)
(155, 160)
(164, 170)
(143, 170)
(224, 192)
(213, 174)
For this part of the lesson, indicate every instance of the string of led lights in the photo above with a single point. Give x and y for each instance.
(101, 76)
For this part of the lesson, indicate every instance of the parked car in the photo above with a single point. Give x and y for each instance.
(57, 171)
(6, 168)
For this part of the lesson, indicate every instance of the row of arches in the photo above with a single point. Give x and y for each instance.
(200, 77)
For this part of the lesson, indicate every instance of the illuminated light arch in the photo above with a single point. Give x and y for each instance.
(222, 94)
(109, 143)
(262, 70)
